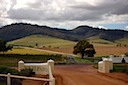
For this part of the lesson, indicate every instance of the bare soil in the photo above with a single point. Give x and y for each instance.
(87, 75)
(83, 75)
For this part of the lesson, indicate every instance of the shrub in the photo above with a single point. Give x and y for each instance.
(5, 70)
(14, 81)
(120, 68)
(26, 72)
(126, 54)
(44, 57)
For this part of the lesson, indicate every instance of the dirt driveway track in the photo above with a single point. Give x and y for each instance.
(82, 75)
(86, 75)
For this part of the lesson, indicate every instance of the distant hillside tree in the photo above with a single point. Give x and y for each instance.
(3, 47)
(84, 48)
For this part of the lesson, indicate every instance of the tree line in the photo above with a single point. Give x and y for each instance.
(4, 47)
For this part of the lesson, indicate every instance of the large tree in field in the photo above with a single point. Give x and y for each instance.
(3, 47)
(84, 48)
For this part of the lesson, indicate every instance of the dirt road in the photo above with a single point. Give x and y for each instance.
(83, 75)
(87, 75)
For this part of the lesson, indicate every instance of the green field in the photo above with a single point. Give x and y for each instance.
(42, 41)
(47, 41)
(12, 59)
(102, 47)
(100, 42)
(122, 41)
(24, 51)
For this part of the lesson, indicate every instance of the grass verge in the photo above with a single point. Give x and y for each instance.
(121, 68)
(24, 51)
(88, 60)
(12, 59)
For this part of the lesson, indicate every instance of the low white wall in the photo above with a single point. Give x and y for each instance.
(38, 68)
(119, 59)
(126, 59)
(116, 59)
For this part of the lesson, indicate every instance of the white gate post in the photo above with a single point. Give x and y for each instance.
(51, 63)
(8, 79)
(20, 65)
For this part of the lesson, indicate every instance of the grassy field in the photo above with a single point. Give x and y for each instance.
(102, 47)
(24, 51)
(122, 41)
(12, 59)
(100, 42)
(43, 41)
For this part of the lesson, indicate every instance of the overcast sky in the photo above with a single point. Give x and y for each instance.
(68, 14)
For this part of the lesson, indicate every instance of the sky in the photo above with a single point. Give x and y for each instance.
(66, 14)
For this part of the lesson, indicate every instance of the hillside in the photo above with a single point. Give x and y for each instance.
(42, 41)
(20, 30)
(102, 47)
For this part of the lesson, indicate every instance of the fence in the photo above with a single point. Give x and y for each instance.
(121, 59)
(39, 68)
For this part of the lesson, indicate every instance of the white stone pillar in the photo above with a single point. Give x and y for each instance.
(111, 64)
(20, 65)
(51, 63)
(100, 66)
(107, 66)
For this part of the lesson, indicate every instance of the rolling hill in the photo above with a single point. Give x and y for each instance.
(20, 30)
(42, 41)
(102, 47)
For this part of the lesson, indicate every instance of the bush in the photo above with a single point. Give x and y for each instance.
(44, 57)
(120, 68)
(126, 54)
(5, 70)
(14, 81)
(26, 72)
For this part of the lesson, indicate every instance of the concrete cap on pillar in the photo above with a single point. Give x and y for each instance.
(50, 60)
(21, 61)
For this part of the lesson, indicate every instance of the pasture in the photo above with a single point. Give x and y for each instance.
(41, 41)
(100, 50)
(12, 59)
(24, 51)
(102, 47)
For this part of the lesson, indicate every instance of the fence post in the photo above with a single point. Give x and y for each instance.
(53, 82)
(20, 65)
(8, 79)
(51, 63)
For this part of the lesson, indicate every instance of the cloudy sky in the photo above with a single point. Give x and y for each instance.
(68, 14)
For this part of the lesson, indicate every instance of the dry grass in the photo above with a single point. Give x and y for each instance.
(108, 50)
(100, 50)
(24, 51)
(102, 47)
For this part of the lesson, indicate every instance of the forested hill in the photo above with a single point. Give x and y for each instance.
(19, 30)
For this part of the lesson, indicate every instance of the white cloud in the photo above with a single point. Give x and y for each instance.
(64, 13)
(102, 27)
(126, 28)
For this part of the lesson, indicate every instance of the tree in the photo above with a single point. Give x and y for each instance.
(36, 44)
(84, 48)
(3, 47)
